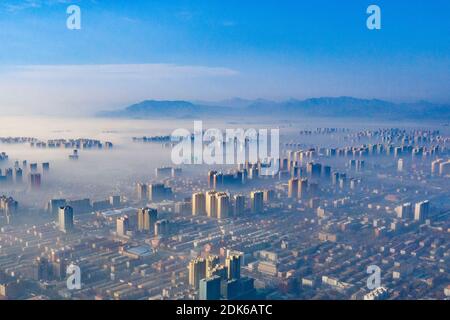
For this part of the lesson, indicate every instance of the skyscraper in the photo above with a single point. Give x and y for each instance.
(218, 180)
(314, 170)
(223, 205)
(142, 191)
(122, 225)
(400, 165)
(239, 204)
(444, 168)
(211, 175)
(65, 218)
(162, 227)
(302, 188)
(326, 172)
(256, 201)
(198, 204)
(19, 175)
(421, 210)
(211, 204)
(293, 188)
(147, 218)
(114, 201)
(156, 191)
(35, 180)
(197, 271)
(269, 195)
(210, 288)
(233, 265)
(404, 211)
(54, 205)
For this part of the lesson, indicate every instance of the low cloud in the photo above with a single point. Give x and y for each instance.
(85, 89)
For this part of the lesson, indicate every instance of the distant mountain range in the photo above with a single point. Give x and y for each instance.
(342, 107)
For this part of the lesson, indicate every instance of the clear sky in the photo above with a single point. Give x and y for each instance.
(128, 51)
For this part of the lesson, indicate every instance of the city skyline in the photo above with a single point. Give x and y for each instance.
(243, 153)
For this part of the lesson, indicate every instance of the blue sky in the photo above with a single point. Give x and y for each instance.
(212, 50)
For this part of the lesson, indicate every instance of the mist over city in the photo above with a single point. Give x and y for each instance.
(179, 154)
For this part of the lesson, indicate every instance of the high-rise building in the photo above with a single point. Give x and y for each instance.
(35, 180)
(163, 172)
(65, 218)
(400, 165)
(256, 201)
(230, 289)
(122, 225)
(142, 191)
(114, 201)
(147, 218)
(211, 204)
(302, 188)
(239, 204)
(233, 265)
(8, 205)
(211, 175)
(54, 205)
(293, 188)
(198, 204)
(157, 191)
(444, 168)
(435, 165)
(19, 175)
(253, 173)
(162, 227)
(197, 271)
(9, 175)
(327, 172)
(269, 195)
(404, 211)
(41, 269)
(335, 178)
(421, 210)
(45, 166)
(33, 167)
(342, 180)
(223, 205)
(210, 288)
(314, 170)
(217, 180)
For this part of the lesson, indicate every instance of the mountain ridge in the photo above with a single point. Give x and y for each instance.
(341, 107)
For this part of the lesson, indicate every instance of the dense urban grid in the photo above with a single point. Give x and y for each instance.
(349, 201)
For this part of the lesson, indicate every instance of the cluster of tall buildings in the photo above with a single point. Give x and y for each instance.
(8, 207)
(83, 205)
(419, 212)
(145, 221)
(65, 219)
(153, 192)
(215, 281)
(165, 172)
(3, 156)
(220, 205)
(16, 173)
(72, 143)
(440, 167)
